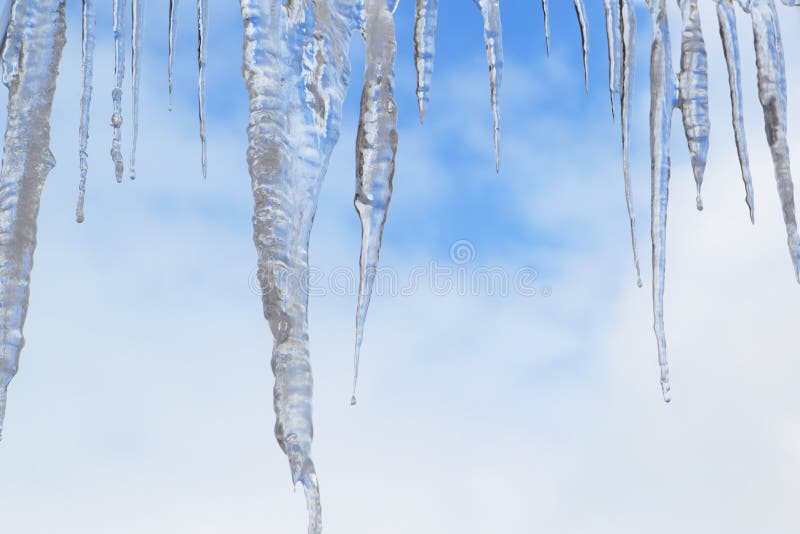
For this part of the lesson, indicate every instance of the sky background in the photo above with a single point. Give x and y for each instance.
(144, 397)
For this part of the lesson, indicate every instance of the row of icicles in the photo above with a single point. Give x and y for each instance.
(296, 70)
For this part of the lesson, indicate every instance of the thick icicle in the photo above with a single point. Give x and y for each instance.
(613, 29)
(493, 37)
(376, 148)
(296, 72)
(202, 38)
(580, 10)
(627, 25)
(772, 94)
(730, 45)
(116, 93)
(546, 16)
(662, 102)
(424, 47)
(136, 40)
(87, 63)
(173, 26)
(693, 91)
(27, 160)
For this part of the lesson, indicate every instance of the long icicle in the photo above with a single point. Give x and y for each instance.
(493, 37)
(613, 36)
(173, 27)
(546, 18)
(87, 65)
(772, 94)
(136, 42)
(730, 45)
(27, 160)
(202, 38)
(116, 93)
(376, 148)
(580, 11)
(662, 103)
(627, 20)
(424, 48)
(693, 91)
(296, 72)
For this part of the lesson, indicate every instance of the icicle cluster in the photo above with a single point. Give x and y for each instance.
(296, 70)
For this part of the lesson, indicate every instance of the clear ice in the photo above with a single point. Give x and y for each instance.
(580, 11)
(427, 12)
(116, 93)
(296, 70)
(663, 100)
(376, 148)
(772, 94)
(693, 91)
(493, 38)
(87, 65)
(730, 46)
(37, 28)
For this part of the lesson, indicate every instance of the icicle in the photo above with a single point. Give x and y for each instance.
(580, 10)
(39, 26)
(296, 72)
(546, 14)
(493, 37)
(693, 91)
(87, 62)
(173, 26)
(376, 148)
(627, 20)
(424, 46)
(202, 34)
(662, 102)
(136, 39)
(116, 93)
(730, 45)
(772, 94)
(613, 28)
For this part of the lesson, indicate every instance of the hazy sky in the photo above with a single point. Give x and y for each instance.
(144, 397)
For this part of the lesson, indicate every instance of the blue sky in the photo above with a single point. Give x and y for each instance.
(143, 402)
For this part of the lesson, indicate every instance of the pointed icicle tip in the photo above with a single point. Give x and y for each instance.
(353, 400)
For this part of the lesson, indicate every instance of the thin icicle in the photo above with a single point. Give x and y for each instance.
(424, 47)
(136, 40)
(40, 28)
(580, 10)
(376, 148)
(493, 37)
(87, 63)
(772, 94)
(116, 93)
(662, 102)
(546, 15)
(296, 72)
(613, 29)
(173, 26)
(730, 45)
(202, 38)
(627, 25)
(693, 91)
